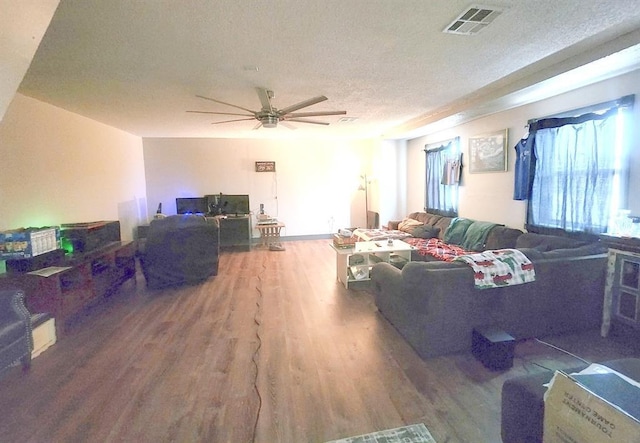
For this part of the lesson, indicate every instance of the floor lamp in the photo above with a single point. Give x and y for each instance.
(365, 187)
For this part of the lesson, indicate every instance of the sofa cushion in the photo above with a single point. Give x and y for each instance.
(425, 231)
(532, 254)
(501, 237)
(443, 224)
(544, 242)
(588, 249)
(408, 224)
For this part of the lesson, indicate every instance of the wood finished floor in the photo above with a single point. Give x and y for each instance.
(272, 349)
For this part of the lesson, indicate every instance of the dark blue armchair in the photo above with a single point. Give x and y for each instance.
(179, 249)
(16, 340)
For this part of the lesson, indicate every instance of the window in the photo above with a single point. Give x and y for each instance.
(579, 170)
(443, 163)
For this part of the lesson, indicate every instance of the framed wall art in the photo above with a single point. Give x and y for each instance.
(488, 152)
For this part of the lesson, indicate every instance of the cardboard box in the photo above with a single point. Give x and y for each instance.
(28, 242)
(594, 408)
(44, 333)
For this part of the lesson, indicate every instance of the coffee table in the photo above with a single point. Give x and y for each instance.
(354, 264)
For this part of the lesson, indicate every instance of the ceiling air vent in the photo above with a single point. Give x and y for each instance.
(473, 20)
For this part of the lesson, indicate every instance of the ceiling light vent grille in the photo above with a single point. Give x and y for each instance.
(473, 20)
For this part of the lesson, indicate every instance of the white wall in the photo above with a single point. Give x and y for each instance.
(313, 191)
(59, 167)
(489, 196)
(22, 25)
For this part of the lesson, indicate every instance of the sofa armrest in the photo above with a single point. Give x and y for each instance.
(387, 275)
(12, 307)
(393, 224)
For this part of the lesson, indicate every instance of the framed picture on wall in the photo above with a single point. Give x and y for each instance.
(488, 152)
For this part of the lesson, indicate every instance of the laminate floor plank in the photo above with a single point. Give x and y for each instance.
(272, 349)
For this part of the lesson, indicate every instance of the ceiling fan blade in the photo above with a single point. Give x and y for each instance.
(221, 113)
(314, 122)
(258, 126)
(304, 104)
(225, 103)
(313, 114)
(287, 125)
(230, 121)
(265, 98)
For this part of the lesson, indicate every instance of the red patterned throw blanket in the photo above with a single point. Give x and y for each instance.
(436, 248)
(502, 267)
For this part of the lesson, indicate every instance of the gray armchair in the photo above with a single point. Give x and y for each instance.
(16, 341)
(179, 249)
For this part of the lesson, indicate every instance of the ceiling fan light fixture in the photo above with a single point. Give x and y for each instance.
(269, 121)
(268, 116)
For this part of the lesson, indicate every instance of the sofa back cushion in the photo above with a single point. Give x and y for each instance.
(425, 217)
(443, 224)
(434, 220)
(544, 242)
(501, 237)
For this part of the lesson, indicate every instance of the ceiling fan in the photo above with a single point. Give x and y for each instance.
(269, 116)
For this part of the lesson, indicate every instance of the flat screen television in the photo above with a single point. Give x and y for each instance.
(229, 204)
(192, 205)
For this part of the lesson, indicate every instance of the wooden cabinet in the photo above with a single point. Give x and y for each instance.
(235, 232)
(78, 281)
(622, 290)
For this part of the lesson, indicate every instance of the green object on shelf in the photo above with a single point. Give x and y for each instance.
(67, 245)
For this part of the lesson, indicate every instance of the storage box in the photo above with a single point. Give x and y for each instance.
(28, 242)
(85, 237)
(493, 347)
(593, 408)
(44, 333)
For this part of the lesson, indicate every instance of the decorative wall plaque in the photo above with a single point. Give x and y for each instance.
(265, 166)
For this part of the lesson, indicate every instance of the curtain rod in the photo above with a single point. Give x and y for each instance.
(622, 102)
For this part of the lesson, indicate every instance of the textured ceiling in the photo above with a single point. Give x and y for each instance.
(138, 65)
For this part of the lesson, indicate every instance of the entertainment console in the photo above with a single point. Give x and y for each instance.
(76, 281)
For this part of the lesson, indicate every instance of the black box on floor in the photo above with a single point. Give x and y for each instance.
(493, 347)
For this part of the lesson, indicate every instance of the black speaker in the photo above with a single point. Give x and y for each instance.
(493, 347)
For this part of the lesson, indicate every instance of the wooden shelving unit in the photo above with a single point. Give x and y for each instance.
(354, 264)
(80, 281)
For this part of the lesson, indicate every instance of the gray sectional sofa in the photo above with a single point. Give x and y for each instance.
(435, 305)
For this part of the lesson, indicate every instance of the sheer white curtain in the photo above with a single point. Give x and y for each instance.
(577, 174)
(441, 191)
